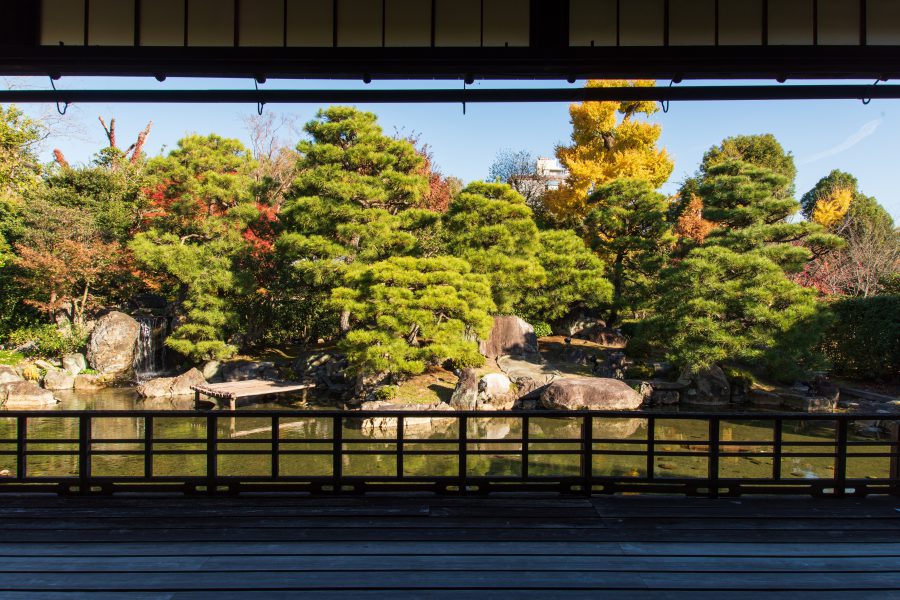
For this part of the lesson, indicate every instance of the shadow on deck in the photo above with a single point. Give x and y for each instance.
(522, 546)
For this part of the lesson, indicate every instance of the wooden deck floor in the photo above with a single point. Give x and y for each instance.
(427, 547)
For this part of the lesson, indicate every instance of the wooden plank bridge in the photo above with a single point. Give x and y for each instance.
(233, 391)
(410, 546)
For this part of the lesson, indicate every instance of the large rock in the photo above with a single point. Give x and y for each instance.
(74, 363)
(9, 375)
(590, 393)
(242, 370)
(163, 387)
(25, 395)
(212, 371)
(494, 386)
(708, 387)
(113, 344)
(59, 380)
(604, 336)
(530, 378)
(465, 396)
(88, 382)
(509, 335)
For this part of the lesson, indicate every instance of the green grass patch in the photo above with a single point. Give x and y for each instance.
(10, 357)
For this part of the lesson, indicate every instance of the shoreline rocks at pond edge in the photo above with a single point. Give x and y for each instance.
(165, 387)
(25, 395)
(590, 393)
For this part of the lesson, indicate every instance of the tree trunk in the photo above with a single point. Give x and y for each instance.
(345, 321)
(618, 284)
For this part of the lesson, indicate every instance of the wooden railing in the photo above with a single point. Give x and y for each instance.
(318, 452)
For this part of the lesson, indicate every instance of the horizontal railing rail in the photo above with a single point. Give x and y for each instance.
(460, 452)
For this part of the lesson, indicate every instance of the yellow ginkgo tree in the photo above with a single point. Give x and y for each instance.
(831, 207)
(610, 141)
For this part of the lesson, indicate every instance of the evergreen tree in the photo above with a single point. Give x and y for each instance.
(199, 223)
(606, 147)
(490, 226)
(628, 228)
(410, 313)
(346, 207)
(742, 200)
(719, 305)
(575, 279)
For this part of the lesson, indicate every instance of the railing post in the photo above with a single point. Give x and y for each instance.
(587, 455)
(21, 448)
(148, 447)
(526, 425)
(894, 429)
(84, 454)
(713, 464)
(777, 449)
(276, 447)
(212, 454)
(399, 447)
(840, 458)
(463, 472)
(337, 451)
(651, 446)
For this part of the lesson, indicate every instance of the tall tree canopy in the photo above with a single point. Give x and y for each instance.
(628, 228)
(490, 226)
(609, 141)
(199, 235)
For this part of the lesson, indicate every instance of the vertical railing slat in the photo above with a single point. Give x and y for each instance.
(212, 454)
(148, 447)
(713, 464)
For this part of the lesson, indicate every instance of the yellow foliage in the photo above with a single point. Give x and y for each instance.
(831, 208)
(605, 147)
(31, 373)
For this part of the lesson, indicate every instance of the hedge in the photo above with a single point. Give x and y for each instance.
(864, 338)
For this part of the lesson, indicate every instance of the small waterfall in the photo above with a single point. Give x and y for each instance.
(150, 358)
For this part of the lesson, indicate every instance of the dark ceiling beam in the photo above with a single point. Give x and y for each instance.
(364, 96)
(723, 62)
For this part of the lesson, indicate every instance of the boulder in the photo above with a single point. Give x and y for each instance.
(494, 386)
(25, 395)
(465, 396)
(509, 335)
(590, 393)
(113, 343)
(572, 325)
(74, 363)
(59, 380)
(171, 386)
(660, 393)
(242, 370)
(9, 375)
(529, 377)
(604, 336)
(89, 382)
(708, 387)
(212, 371)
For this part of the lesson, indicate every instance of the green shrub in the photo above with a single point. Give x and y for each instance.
(387, 393)
(10, 357)
(864, 337)
(542, 329)
(49, 340)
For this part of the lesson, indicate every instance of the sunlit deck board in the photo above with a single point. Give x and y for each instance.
(249, 389)
(423, 546)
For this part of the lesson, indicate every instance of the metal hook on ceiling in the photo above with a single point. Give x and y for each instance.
(65, 109)
(866, 101)
(260, 105)
(665, 103)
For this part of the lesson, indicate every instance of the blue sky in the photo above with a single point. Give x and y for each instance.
(822, 135)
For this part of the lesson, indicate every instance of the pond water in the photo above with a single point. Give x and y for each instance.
(679, 435)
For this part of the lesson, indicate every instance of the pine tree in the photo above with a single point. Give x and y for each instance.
(346, 207)
(575, 279)
(410, 313)
(719, 305)
(490, 226)
(604, 148)
(201, 209)
(628, 228)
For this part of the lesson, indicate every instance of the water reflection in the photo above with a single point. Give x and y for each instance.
(492, 446)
